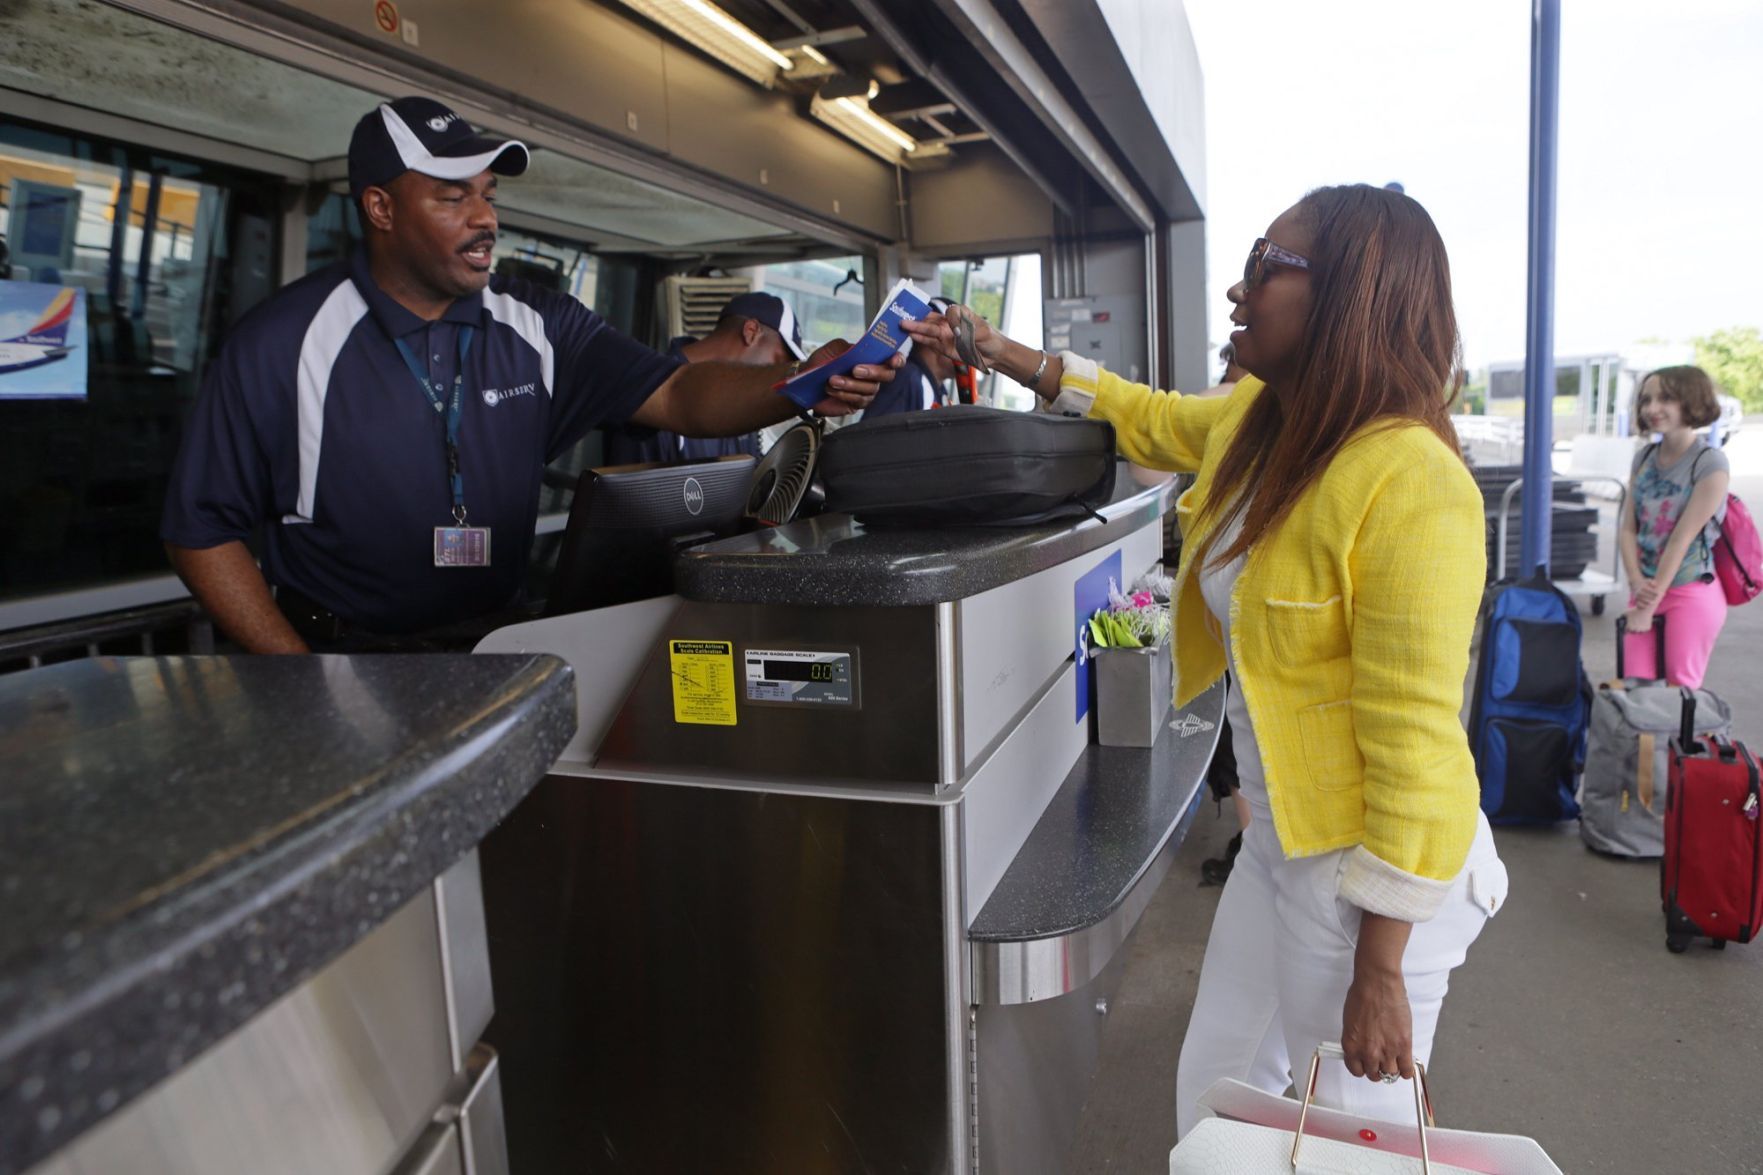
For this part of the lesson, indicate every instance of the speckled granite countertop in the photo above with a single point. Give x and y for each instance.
(836, 560)
(1103, 829)
(184, 839)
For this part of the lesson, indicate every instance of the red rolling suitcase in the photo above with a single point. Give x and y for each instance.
(1711, 880)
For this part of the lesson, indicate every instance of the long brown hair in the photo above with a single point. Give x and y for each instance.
(1381, 345)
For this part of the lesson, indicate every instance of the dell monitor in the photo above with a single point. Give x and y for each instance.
(627, 522)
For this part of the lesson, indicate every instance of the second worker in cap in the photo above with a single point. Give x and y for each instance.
(753, 329)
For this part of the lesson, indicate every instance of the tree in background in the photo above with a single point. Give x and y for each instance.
(1734, 357)
(1473, 398)
(984, 296)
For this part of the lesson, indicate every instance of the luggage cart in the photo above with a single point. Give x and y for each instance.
(1591, 583)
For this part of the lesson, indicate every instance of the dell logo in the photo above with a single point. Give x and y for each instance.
(694, 496)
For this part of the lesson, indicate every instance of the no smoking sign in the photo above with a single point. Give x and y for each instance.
(385, 14)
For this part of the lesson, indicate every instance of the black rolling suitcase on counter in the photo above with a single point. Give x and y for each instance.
(1711, 881)
(968, 465)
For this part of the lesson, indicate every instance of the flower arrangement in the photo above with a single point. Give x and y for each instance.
(1137, 620)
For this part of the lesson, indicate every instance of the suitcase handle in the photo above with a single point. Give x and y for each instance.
(1658, 647)
(1422, 1101)
(1686, 734)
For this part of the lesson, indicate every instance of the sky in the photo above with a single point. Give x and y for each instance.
(1659, 212)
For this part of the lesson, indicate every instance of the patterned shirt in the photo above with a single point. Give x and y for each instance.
(1660, 495)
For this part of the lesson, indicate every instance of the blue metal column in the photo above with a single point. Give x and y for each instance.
(1539, 340)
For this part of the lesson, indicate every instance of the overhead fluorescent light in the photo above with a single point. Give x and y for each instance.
(708, 27)
(850, 115)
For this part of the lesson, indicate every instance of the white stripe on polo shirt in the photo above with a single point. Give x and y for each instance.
(529, 324)
(324, 341)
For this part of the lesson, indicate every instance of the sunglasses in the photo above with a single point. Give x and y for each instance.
(1267, 253)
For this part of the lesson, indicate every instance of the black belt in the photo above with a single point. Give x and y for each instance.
(321, 628)
(312, 622)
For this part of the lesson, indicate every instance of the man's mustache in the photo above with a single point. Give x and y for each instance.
(480, 239)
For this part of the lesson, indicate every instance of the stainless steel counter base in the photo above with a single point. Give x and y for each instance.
(1033, 1069)
(723, 979)
(744, 939)
(367, 1067)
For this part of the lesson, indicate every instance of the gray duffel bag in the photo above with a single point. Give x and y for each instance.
(1628, 748)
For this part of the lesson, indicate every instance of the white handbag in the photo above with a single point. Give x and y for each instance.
(1259, 1133)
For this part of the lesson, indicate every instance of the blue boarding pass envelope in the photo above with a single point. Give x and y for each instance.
(878, 343)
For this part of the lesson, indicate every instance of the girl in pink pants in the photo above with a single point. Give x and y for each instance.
(1677, 495)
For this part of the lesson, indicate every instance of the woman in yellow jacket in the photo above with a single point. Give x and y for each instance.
(1334, 560)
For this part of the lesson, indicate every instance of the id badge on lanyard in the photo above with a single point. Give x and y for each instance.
(458, 545)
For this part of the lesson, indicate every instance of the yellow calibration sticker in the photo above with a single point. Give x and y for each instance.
(703, 682)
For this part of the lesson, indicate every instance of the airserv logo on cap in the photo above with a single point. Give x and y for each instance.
(441, 122)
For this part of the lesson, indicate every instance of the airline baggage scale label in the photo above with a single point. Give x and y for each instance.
(703, 682)
(797, 677)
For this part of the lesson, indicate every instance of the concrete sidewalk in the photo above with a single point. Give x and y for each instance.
(1570, 1022)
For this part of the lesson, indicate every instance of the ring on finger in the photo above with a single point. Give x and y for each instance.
(1387, 1078)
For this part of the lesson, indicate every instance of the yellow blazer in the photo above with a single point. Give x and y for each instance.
(1351, 624)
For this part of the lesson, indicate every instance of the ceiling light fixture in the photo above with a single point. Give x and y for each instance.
(717, 33)
(850, 115)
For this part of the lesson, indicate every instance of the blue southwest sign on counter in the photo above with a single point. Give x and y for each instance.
(1089, 596)
(42, 341)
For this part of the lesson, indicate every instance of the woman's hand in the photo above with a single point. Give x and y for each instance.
(1648, 593)
(960, 334)
(1377, 1026)
(1640, 619)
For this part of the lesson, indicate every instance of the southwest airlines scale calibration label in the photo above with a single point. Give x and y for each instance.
(703, 682)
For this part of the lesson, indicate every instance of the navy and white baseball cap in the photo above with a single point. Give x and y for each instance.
(420, 134)
(774, 312)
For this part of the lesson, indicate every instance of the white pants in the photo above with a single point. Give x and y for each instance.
(1280, 959)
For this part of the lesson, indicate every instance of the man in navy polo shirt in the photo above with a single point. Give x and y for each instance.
(752, 328)
(386, 420)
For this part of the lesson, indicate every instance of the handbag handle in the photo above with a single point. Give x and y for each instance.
(1422, 1101)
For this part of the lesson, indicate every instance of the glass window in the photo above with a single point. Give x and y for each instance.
(1006, 291)
(570, 269)
(332, 232)
(335, 230)
(826, 296)
(169, 253)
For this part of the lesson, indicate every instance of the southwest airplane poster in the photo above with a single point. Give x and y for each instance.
(42, 341)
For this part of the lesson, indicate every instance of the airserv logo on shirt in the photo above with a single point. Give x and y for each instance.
(494, 396)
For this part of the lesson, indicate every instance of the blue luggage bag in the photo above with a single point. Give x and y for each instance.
(1532, 704)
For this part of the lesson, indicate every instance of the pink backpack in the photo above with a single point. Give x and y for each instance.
(1738, 552)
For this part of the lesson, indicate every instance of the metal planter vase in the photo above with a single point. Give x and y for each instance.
(1133, 688)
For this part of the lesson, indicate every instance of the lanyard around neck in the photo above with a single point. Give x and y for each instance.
(453, 408)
